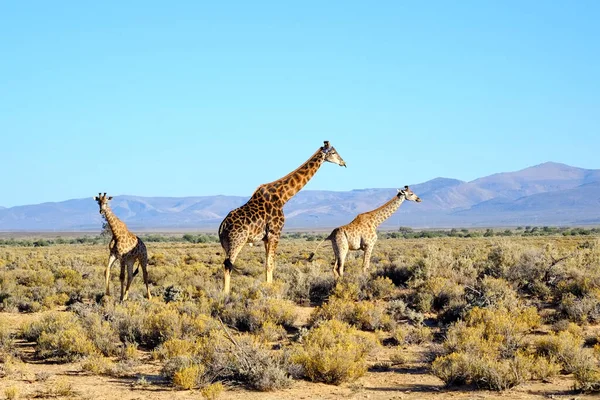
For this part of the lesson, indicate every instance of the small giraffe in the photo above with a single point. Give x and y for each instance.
(125, 247)
(261, 218)
(361, 234)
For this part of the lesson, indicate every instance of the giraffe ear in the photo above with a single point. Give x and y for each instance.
(110, 198)
(406, 187)
(95, 198)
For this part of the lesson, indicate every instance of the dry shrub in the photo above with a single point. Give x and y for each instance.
(399, 311)
(486, 349)
(271, 332)
(399, 358)
(545, 369)
(11, 393)
(567, 348)
(98, 365)
(161, 325)
(380, 288)
(251, 309)
(587, 378)
(365, 315)
(222, 357)
(174, 348)
(502, 259)
(412, 334)
(484, 371)
(581, 309)
(491, 292)
(59, 336)
(333, 352)
(100, 331)
(212, 391)
(188, 377)
(6, 339)
(61, 387)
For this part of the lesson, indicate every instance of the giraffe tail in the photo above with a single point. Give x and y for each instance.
(312, 255)
(136, 271)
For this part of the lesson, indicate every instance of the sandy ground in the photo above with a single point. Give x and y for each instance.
(34, 379)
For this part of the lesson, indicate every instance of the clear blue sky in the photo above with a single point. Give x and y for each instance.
(184, 98)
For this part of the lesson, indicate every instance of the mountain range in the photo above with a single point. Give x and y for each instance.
(545, 194)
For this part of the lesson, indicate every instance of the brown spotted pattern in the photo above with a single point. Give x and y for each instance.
(261, 218)
(125, 247)
(361, 233)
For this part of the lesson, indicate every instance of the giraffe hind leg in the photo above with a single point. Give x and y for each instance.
(146, 280)
(229, 265)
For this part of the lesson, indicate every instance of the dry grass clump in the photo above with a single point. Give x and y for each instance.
(566, 347)
(487, 349)
(252, 308)
(11, 393)
(343, 305)
(59, 336)
(212, 391)
(6, 339)
(220, 356)
(333, 352)
(98, 364)
(412, 334)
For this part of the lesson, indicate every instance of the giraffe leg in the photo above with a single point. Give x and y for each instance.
(111, 259)
(146, 281)
(336, 254)
(129, 279)
(343, 252)
(270, 248)
(367, 257)
(122, 279)
(228, 266)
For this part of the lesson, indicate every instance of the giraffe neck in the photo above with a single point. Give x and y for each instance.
(118, 228)
(293, 182)
(385, 211)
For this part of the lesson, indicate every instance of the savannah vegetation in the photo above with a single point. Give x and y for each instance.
(478, 309)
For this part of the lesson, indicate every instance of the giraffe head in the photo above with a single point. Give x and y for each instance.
(102, 202)
(408, 194)
(331, 155)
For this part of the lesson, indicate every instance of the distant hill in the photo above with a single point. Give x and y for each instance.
(545, 194)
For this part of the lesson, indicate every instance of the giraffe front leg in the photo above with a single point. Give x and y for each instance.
(122, 279)
(129, 279)
(270, 248)
(367, 257)
(111, 259)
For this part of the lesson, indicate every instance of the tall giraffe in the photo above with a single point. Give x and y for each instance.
(261, 218)
(361, 233)
(125, 247)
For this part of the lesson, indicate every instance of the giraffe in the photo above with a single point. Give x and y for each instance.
(361, 234)
(125, 247)
(261, 218)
